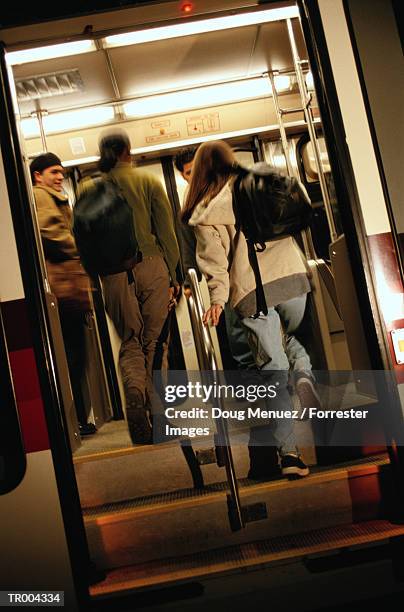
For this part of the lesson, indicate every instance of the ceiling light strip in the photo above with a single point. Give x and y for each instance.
(202, 97)
(187, 28)
(50, 52)
(190, 28)
(69, 120)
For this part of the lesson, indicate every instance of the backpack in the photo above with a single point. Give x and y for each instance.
(104, 230)
(267, 205)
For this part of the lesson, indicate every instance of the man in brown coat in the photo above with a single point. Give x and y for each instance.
(67, 278)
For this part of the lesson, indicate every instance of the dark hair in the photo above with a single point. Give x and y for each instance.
(40, 163)
(112, 145)
(185, 156)
(214, 165)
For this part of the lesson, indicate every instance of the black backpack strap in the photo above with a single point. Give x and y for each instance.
(259, 289)
(241, 213)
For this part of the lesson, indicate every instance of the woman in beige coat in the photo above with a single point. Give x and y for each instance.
(222, 257)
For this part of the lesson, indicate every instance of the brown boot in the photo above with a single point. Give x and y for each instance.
(139, 425)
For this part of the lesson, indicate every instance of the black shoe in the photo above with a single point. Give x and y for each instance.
(140, 429)
(292, 465)
(88, 429)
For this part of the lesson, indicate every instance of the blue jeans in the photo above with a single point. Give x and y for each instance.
(275, 352)
(237, 338)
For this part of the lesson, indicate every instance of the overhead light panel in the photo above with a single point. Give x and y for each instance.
(69, 120)
(201, 26)
(30, 128)
(282, 82)
(200, 97)
(50, 52)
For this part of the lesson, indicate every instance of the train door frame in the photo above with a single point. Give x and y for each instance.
(373, 134)
(342, 170)
(42, 343)
(351, 215)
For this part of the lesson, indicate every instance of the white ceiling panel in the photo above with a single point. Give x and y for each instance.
(183, 62)
(161, 66)
(273, 50)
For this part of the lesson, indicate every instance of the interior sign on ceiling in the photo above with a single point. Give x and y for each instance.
(77, 146)
(163, 134)
(203, 124)
(162, 124)
(162, 137)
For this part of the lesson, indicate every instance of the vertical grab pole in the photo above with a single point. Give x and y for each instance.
(282, 130)
(39, 113)
(306, 100)
(308, 245)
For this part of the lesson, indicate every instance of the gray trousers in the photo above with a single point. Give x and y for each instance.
(139, 311)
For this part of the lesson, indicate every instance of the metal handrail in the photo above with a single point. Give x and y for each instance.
(207, 362)
(308, 244)
(306, 99)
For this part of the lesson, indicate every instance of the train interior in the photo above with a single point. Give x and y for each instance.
(163, 514)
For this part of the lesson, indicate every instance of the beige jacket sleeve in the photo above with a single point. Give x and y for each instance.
(58, 241)
(213, 263)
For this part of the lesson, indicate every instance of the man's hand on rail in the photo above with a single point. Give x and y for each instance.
(213, 314)
(173, 293)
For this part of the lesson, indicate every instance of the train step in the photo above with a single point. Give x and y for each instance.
(190, 521)
(274, 556)
(110, 469)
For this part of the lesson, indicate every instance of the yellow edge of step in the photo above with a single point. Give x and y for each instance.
(112, 517)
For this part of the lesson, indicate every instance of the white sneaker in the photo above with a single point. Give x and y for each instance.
(307, 395)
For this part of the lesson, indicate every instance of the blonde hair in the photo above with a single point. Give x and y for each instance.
(213, 166)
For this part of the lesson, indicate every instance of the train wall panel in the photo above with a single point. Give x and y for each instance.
(169, 130)
(34, 553)
(388, 281)
(354, 116)
(382, 67)
(25, 376)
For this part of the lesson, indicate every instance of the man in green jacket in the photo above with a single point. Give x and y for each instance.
(139, 301)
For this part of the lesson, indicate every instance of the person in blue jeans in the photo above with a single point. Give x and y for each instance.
(222, 256)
